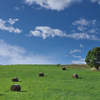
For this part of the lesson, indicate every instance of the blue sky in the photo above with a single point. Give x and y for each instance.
(48, 31)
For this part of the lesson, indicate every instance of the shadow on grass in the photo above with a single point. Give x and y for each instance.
(80, 78)
(19, 91)
(1, 94)
(22, 91)
(15, 91)
(19, 81)
(43, 76)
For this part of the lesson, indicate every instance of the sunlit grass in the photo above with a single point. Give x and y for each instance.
(57, 84)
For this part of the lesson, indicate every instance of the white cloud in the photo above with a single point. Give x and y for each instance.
(44, 32)
(84, 22)
(81, 45)
(17, 55)
(81, 61)
(75, 50)
(17, 8)
(81, 21)
(93, 30)
(82, 36)
(52, 4)
(9, 28)
(96, 1)
(86, 26)
(81, 28)
(12, 21)
(76, 56)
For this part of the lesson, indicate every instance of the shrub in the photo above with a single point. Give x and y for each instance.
(58, 65)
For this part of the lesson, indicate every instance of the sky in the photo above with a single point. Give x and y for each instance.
(48, 31)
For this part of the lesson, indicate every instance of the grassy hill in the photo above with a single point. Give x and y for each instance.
(57, 84)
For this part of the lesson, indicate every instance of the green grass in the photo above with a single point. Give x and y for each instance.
(55, 85)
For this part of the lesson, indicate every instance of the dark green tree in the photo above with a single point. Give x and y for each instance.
(93, 57)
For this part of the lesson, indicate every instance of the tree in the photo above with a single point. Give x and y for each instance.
(93, 57)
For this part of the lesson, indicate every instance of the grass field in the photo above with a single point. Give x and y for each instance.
(57, 84)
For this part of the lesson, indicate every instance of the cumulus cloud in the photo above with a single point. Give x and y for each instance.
(52, 4)
(12, 54)
(17, 8)
(75, 50)
(45, 31)
(7, 25)
(81, 45)
(81, 61)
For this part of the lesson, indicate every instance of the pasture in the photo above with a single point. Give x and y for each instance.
(56, 84)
